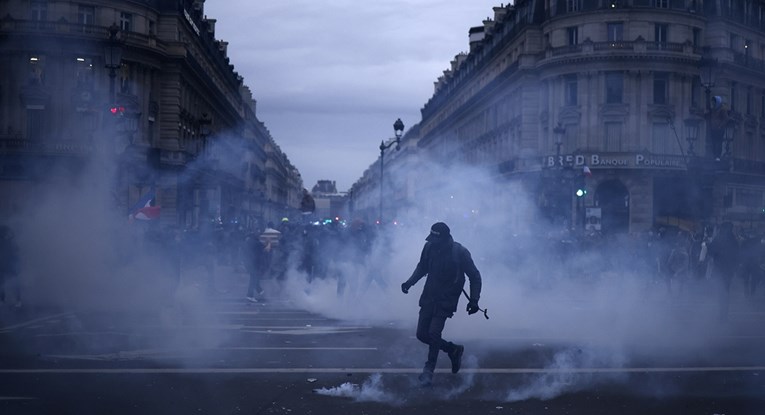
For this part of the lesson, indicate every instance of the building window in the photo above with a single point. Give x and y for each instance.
(660, 33)
(86, 15)
(126, 22)
(696, 93)
(573, 35)
(36, 70)
(615, 31)
(762, 106)
(660, 81)
(38, 10)
(662, 4)
(85, 76)
(749, 101)
(573, 5)
(35, 122)
(733, 41)
(613, 139)
(733, 96)
(125, 76)
(660, 140)
(572, 90)
(696, 37)
(152, 28)
(614, 87)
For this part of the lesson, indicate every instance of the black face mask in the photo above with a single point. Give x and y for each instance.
(440, 243)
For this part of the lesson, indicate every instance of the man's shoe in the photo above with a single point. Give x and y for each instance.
(425, 378)
(456, 357)
(252, 299)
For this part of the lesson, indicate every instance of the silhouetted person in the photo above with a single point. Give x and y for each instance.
(257, 261)
(445, 263)
(9, 264)
(724, 251)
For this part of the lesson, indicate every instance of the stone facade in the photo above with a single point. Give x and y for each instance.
(617, 84)
(171, 114)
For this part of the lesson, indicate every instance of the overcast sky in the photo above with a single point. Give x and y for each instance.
(331, 76)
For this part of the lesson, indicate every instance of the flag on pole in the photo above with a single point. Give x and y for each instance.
(586, 171)
(145, 208)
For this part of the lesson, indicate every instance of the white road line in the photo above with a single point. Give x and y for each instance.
(31, 322)
(16, 398)
(304, 370)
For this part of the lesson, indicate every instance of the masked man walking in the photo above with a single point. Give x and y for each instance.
(445, 263)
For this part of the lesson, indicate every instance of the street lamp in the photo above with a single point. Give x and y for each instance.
(728, 133)
(113, 58)
(691, 134)
(559, 132)
(398, 128)
(707, 76)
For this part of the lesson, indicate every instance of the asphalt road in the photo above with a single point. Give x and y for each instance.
(235, 357)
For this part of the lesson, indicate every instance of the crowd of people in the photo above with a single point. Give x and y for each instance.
(666, 258)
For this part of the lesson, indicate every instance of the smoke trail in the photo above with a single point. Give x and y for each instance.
(372, 390)
(559, 380)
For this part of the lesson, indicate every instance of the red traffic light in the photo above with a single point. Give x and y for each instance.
(117, 110)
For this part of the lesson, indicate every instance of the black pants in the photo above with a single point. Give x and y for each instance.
(429, 327)
(254, 286)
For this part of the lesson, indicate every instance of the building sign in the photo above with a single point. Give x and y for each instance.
(191, 21)
(615, 161)
(592, 218)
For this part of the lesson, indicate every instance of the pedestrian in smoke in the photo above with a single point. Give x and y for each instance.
(9, 264)
(724, 250)
(445, 262)
(257, 261)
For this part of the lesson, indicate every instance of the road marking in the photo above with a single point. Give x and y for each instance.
(16, 398)
(35, 321)
(485, 371)
(138, 354)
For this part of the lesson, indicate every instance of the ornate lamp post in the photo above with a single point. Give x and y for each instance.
(692, 134)
(398, 128)
(559, 132)
(113, 58)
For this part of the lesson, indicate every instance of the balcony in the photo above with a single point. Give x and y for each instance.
(71, 148)
(62, 28)
(636, 47)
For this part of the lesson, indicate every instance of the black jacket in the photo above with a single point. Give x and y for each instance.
(446, 266)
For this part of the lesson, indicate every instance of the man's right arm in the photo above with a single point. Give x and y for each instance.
(420, 271)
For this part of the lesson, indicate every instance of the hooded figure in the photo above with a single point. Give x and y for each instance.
(445, 262)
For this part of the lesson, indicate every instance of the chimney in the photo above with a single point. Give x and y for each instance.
(211, 26)
(223, 47)
(500, 13)
(476, 35)
(488, 26)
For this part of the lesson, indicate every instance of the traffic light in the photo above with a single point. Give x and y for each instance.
(117, 110)
(581, 187)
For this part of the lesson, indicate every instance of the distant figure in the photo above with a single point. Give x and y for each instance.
(724, 251)
(445, 262)
(257, 262)
(9, 264)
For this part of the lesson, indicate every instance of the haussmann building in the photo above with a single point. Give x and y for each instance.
(662, 101)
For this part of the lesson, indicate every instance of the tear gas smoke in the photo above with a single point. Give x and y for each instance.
(372, 390)
(605, 299)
